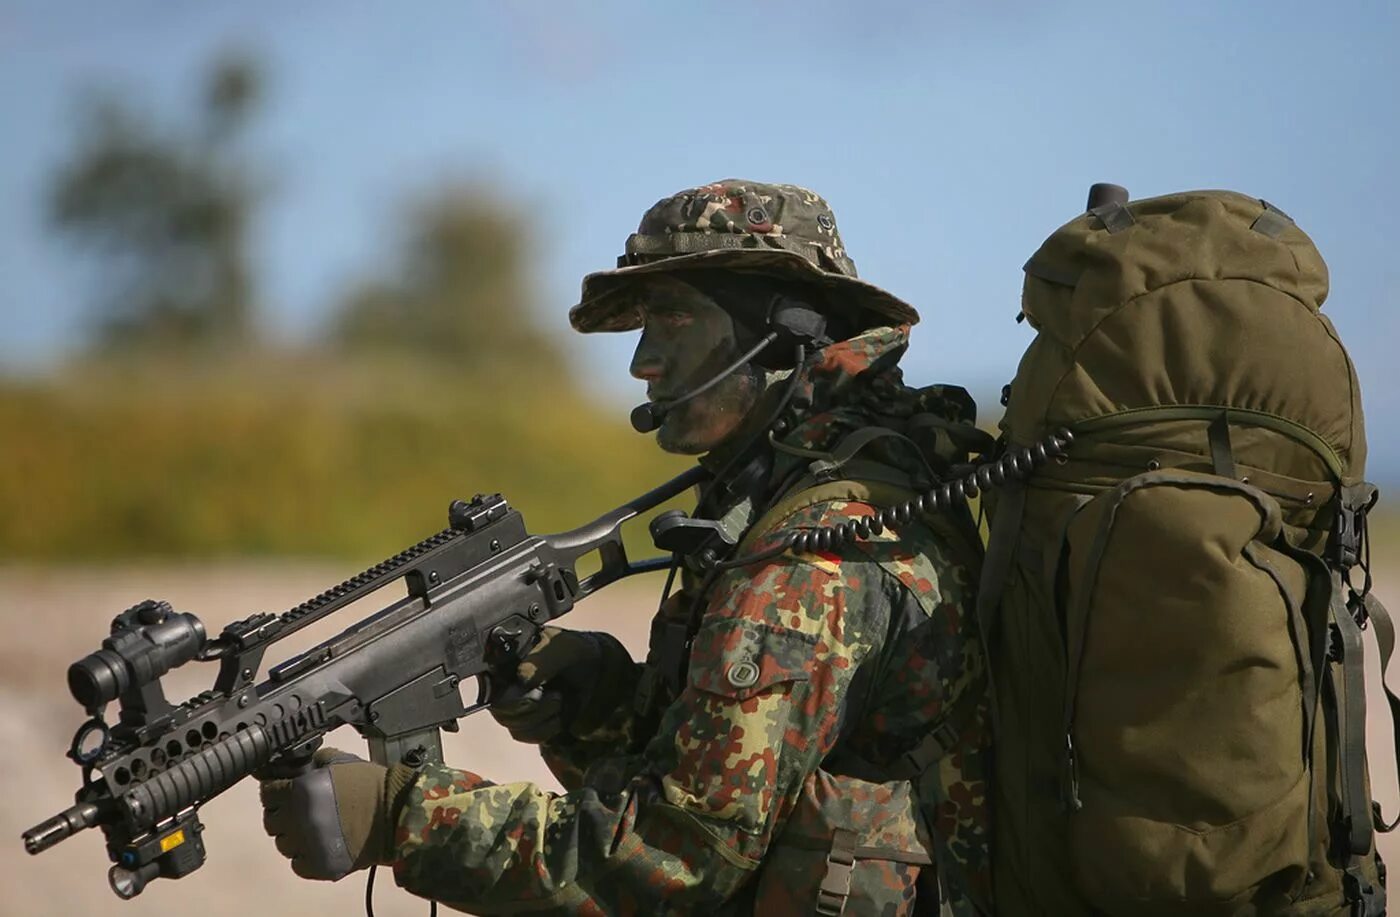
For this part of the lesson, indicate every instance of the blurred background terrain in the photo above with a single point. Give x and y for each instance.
(278, 285)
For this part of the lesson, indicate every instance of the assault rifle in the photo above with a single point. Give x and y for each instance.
(478, 593)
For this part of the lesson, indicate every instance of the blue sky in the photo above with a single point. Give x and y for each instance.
(951, 138)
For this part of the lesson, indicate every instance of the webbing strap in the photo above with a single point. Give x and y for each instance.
(1115, 216)
(1002, 542)
(836, 883)
(1350, 698)
(963, 436)
(1001, 550)
(1307, 619)
(918, 857)
(1104, 424)
(940, 740)
(1222, 456)
(1366, 900)
(1050, 562)
(877, 490)
(1384, 630)
(1272, 222)
(826, 468)
(865, 482)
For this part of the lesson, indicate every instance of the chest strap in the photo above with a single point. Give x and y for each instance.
(836, 882)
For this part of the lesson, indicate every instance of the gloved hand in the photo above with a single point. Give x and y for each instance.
(334, 818)
(559, 678)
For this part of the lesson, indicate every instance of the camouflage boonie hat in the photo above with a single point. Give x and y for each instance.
(738, 225)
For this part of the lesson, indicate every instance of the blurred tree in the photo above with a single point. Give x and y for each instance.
(460, 289)
(168, 216)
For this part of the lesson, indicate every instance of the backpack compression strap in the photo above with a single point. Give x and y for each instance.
(1385, 640)
(1344, 695)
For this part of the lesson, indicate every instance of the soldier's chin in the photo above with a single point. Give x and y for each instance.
(678, 438)
(685, 432)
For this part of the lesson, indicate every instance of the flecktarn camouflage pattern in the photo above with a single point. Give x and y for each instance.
(734, 224)
(726, 791)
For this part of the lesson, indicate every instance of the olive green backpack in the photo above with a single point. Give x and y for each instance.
(1175, 640)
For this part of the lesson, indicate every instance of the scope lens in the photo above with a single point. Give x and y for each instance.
(135, 653)
(97, 679)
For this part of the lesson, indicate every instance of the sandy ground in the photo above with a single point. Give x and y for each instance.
(51, 617)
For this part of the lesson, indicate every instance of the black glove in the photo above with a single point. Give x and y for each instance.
(334, 818)
(561, 677)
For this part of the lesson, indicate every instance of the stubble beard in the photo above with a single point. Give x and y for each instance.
(699, 426)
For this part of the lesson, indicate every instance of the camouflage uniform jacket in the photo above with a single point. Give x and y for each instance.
(723, 793)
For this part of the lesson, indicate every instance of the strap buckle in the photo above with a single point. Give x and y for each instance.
(940, 740)
(1345, 550)
(1366, 900)
(836, 883)
(1335, 652)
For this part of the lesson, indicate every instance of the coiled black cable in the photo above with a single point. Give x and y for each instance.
(1016, 465)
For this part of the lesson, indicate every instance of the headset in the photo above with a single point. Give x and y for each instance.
(795, 327)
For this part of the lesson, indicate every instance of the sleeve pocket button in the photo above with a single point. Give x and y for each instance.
(742, 674)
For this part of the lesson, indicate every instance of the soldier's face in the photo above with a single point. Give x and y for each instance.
(686, 340)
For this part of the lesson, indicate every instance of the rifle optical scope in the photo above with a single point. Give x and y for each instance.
(147, 641)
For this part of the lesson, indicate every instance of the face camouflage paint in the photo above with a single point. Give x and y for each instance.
(686, 340)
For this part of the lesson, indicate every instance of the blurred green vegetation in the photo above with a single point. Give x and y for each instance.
(180, 430)
(164, 212)
(460, 280)
(295, 454)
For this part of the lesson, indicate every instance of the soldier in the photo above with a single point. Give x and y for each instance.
(809, 731)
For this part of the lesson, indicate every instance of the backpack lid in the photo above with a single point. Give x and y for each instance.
(1199, 299)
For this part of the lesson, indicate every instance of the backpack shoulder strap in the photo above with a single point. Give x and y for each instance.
(870, 482)
(879, 485)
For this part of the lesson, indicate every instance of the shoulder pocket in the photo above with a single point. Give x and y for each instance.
(739, 659)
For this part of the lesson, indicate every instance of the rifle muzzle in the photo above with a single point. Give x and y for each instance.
(61, 827)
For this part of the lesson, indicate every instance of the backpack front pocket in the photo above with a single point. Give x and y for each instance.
(1189, 698)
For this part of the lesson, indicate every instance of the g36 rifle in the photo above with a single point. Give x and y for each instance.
(478, 593)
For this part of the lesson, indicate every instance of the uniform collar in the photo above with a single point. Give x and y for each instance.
(842, 374)
(826, 403)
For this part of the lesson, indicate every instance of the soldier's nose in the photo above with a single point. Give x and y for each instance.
(648, 369)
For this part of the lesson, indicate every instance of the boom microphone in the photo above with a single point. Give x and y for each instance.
(792, 322)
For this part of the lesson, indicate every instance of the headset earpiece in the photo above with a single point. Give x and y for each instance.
(794, 322)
